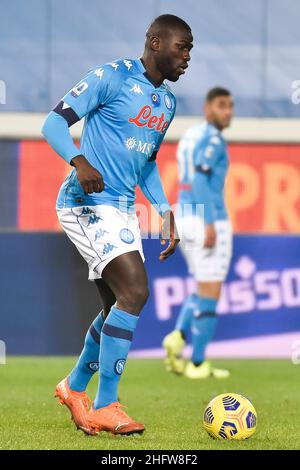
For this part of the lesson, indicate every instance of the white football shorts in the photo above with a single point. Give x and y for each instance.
(101, 233)
(205, 264)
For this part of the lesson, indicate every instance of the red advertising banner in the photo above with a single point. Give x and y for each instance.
(262, 187)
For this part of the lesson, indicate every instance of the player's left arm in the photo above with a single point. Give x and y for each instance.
(205, 160)
(151, 185)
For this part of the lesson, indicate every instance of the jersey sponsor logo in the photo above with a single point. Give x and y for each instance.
(126, 235)
(136, 89)
(119, 366)
(99, 73)
(144, 147)
(130, 143)
(77, 90)
(168, 102)
(145, 118)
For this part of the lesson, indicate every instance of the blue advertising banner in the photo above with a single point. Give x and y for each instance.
(48, 303)
(260, 299)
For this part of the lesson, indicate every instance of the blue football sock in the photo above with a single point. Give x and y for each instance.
(88, 362)
(185, 316)
(116, 337)
(203, 327)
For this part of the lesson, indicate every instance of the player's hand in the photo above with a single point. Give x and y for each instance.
(90, 179)
(169, 232)
(210, 236)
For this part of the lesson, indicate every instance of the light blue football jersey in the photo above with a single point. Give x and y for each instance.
(126, 118)
(203, 146)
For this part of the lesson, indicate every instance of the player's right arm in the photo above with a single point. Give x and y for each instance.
(94, 90)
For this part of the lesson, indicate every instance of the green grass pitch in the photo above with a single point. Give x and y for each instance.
(170, 406)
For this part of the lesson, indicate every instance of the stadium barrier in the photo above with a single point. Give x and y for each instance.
(49, 303)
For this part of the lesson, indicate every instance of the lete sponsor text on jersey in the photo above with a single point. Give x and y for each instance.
(146, 118)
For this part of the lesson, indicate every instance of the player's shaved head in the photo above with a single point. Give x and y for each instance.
(163, 24)
(167, 49)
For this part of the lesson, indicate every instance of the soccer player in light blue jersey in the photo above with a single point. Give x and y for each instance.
(127, 108)
(206, 237)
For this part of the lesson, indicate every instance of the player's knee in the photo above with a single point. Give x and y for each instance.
(134, 298)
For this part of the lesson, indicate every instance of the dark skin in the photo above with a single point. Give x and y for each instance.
(124, 279)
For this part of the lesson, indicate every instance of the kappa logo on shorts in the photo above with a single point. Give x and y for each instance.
(126, 235)
(100, 233)
(93, 219)
(86, 211)
(119, 366)
(107, 248)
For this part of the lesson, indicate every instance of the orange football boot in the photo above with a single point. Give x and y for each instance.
(112, 418)
(77, 402)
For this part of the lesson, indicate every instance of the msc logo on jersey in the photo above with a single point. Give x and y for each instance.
(126, 235)
(144, 147)
(77, 90)
(145, 118)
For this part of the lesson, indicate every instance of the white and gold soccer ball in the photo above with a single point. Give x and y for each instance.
(230, 416)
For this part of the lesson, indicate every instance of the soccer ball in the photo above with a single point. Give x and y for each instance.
(230, 416)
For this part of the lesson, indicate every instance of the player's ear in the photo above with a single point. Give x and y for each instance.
(155, 43)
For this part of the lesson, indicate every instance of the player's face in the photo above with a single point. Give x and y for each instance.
(174, 54)
(220, 111)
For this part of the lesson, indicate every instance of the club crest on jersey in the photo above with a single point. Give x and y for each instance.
(126, 235)
(155, 98)
(145, 118)
(168, 102)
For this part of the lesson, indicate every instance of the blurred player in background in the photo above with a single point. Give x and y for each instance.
(205, 242)
(127, 109)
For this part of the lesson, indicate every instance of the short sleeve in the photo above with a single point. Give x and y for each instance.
(207, 153)
(96, 89)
